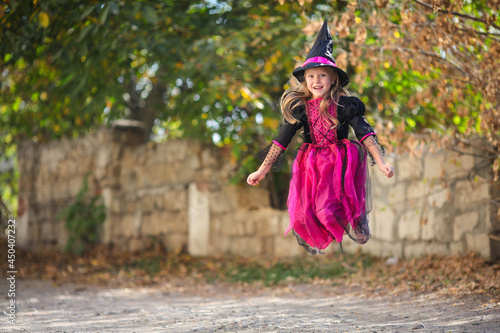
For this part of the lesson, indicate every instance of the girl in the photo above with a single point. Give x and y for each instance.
(329, 191)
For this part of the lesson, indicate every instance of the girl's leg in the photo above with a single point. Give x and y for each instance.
(362, 231)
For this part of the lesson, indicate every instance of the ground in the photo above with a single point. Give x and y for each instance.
(111, 291)
(184, 306)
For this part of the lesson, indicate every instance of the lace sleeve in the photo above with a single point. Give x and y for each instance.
(272, 155)
(370, 142)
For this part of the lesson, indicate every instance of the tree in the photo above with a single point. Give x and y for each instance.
(433, 67)
(185, 68)
(215, 70)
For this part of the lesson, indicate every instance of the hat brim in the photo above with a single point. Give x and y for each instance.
(299, 72)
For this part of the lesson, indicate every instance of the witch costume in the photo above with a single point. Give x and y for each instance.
(329, 192)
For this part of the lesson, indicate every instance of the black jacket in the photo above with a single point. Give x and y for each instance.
(350, 112)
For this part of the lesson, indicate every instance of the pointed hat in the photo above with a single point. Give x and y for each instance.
(320, 56)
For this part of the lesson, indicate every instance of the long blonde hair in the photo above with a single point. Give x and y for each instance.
(298, 94)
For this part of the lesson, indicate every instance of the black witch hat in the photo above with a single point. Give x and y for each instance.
(320, 56)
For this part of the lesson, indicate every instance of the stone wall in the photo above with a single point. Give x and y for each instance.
(438, 203)
(177, 194)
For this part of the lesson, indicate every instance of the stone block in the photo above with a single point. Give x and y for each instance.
(250, 224)
(176, 242)
(156, 223)
(121, 243)
(409, 225)
(248, 246)
(395, 195)
(409, 168)
(136, 245)
(43, 192)
(417, 190)
(219, 244)
(225, 200)
(457, 165)
(457, 248)
(444, 226)
(177, 221)
(176, 199)
(130, 178)
(418, 249)
(434, 166)
(382, 223)
(382, 248)
(52, 153)
(287, 246)
(252, 197)
(232, 224)
(416, 204)
(177, 150)
(468, 194)
(109, 228)
(48, 234)
(464, 223)
(198, 221)
(479, 243)
(209, 158)
(267, 222)
(126, 225)
(439, 196)
(110, 203)
(284, 222)
(267, 246)
(158, 202)
(428, 224)
(146, 203)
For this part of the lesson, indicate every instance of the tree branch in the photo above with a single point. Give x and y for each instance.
(477, 19)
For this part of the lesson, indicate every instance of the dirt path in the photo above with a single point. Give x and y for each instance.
(42, 307)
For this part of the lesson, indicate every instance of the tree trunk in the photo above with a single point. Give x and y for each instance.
(146, 110)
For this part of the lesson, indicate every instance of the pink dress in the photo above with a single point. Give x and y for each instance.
(329, 188)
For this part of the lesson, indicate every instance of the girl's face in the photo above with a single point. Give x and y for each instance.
(319, 80)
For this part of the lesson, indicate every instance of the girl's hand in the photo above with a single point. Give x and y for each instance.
(387, 169)
(254, 178)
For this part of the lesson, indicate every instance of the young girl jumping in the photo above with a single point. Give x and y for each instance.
(329, 191)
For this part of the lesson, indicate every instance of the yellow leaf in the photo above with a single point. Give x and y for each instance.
(247, 94)
(397, 34)
(44, 19)
(268, 67)
(271, 123)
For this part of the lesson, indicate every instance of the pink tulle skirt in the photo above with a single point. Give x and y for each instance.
(329, 192)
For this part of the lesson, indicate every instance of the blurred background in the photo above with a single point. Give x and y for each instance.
(131, 126)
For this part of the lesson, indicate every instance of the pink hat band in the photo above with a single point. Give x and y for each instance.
(320, 60)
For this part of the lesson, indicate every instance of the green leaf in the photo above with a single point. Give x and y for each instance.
(150, 14)
(86, 12)
(105, 13)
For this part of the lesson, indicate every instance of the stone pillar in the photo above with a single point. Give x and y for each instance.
(198, 221)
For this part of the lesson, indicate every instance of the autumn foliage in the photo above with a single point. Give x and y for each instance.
(457, 276)
(427, 70)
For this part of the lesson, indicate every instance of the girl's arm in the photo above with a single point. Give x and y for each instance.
(255, 177)
(374, 150)
(273, 154)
